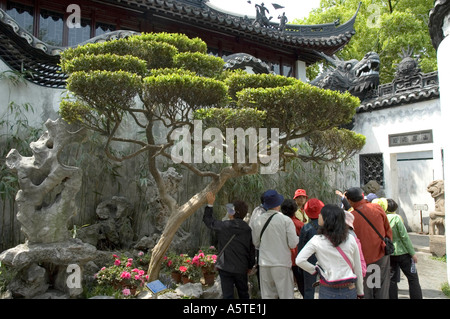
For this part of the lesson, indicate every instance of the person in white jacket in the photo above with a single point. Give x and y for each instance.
(338, 259)
(275, 243)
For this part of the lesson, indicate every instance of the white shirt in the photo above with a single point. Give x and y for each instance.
(255, 214)
(332, 265)
(277, 241)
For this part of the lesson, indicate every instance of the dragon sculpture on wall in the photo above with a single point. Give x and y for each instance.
(360, 78)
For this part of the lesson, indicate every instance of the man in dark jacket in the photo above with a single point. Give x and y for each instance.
(236, 251)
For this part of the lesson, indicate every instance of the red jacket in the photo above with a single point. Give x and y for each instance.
(298, 227)
(372, 245)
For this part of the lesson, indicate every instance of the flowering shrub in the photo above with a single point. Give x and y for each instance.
(207, 262)
(122, 275)
(192, 267)
(173, 261)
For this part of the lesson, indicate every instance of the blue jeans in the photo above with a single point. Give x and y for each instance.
(337, 293)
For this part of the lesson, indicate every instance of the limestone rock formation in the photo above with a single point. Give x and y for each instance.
(46, 199)
(50, 258)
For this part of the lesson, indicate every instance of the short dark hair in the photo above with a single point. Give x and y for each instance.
(355, 194)
(391, 205)
(241, 209)
(289, 207)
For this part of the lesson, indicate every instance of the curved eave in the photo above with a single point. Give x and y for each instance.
(22, 52)
(37, 60)
(399, 99)
(326, 38)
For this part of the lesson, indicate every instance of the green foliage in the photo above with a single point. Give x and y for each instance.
(223, 118)
(385, 27)
(106, 62)
(238, 81)
(156, 54)
(300, 107)
(180, 41)
(201, 64)
(445, 287)
(196, 91)
(74, 111)
(107, 92)
(7, 274)
(336, 143)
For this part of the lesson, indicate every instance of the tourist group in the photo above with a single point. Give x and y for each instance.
(352, 250)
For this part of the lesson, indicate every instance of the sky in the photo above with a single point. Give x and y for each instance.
(294, 9)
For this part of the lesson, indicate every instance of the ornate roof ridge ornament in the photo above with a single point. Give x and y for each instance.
(409, 85)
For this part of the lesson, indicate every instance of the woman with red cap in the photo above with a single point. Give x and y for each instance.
(312, 210)
(300, 198)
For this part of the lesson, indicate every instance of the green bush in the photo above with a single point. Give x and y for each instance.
(106, 62)
(201, 64)
(239, 81)
(106, 91)
(171, 89)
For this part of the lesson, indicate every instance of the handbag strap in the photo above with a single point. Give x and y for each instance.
(382, 238)
(229, 241)
(345, 257)
(266, 224)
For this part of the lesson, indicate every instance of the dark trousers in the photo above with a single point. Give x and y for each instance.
(298, 275)
(377, 280)
(230, 280)
(403, 262)
(308, 282)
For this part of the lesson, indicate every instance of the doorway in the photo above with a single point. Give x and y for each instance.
(415, 173)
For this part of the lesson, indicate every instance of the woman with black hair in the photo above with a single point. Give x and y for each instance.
(337, 253)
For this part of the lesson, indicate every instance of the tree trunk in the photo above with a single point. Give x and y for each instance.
(179, 215)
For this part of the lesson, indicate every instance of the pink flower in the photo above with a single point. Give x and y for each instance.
(141, 253)
(135, 270)
(141, 272)
(126, 292)
(169, 263)
(128, 264)
(103, 268)
(137, 277)
(201, 255)
(115, 256)
(117, 262)
(125, 275)
(183, 269)
(196, 260)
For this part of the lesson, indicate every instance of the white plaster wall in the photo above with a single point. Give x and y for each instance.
(405, 176)
(443, 53)
(44, 101)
